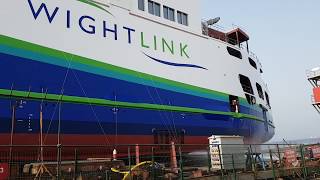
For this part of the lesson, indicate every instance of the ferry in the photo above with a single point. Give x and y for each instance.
(101, 72)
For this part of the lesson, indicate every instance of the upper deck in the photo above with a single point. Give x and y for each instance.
(181, 20)
(183, 16)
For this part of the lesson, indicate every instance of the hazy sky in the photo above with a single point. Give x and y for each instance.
(285, 35)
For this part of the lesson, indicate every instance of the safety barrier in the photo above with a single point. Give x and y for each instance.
(171, 161)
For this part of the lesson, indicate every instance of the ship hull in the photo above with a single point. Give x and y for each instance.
(103, 74)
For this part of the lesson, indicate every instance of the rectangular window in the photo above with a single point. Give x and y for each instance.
(179, 17)
(185, 19)
(150, 7)
(165, 12)
(141, 5)
(157, 9)
(182, 18)
(154, 8)
(168, 13)
(171, 14)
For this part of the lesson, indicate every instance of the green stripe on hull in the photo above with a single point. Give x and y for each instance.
(95, 4)
(103, 102)
(43, 54)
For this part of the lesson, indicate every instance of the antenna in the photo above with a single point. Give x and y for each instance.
(213, 21)
(208, 23)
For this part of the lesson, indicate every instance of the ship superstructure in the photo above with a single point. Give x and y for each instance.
(123, 72)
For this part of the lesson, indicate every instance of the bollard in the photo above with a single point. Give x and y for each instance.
(114, 154)
(137, 154)
(174, 164)
(272, 165)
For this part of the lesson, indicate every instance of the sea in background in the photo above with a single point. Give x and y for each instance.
(300, 141)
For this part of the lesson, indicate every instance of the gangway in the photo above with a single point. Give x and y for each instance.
(314, 79)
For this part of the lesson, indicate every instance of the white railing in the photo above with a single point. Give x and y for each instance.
(255, 57)
(229, 40)
(313, 73)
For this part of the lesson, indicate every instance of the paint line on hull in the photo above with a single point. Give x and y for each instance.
(103, 102)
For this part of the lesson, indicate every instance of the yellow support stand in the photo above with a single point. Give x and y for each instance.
(127, 173)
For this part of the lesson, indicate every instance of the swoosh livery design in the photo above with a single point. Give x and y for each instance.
(175, 64)
(96, 5)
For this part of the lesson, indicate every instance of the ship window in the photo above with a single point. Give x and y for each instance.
(234, 104)
(168, 13)
(261, 71)
(268, 100)
(154, 8)
(260, 91)
(234, 52)
(251, 99)
(182, 18)
(141, 5)
(252, 63)
(246, 84)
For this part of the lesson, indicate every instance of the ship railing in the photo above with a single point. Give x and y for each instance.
(315, 104)
(313, 73)
(157, 161)
(230, 41)
(233, 42)
(254, 56)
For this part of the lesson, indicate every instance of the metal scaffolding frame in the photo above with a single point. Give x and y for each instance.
(314, 79)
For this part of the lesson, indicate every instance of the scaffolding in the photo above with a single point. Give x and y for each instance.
(314, 79)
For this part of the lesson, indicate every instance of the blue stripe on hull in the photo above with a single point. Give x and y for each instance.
(37, 76)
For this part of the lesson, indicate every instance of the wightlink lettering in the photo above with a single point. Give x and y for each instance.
(91, 26)
(167, 46)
